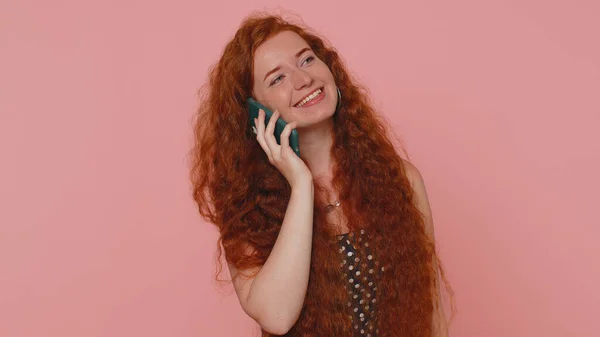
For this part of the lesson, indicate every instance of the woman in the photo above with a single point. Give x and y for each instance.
(336, 242)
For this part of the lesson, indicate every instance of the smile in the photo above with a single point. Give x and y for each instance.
(311, 99)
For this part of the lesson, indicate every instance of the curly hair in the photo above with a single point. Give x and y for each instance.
(239, 191)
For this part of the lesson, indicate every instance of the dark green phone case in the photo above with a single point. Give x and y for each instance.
(254, 106)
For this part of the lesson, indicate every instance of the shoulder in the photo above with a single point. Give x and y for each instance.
(420, 198)
(414, 176)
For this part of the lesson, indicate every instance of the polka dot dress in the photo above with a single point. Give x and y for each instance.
(360, 272)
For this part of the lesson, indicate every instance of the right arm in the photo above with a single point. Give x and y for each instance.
(275, 295)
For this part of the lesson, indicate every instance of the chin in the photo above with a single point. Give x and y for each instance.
(316, 119)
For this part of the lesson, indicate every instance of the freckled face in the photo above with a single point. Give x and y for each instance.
(290, 78)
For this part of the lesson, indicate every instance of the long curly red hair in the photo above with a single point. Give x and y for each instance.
(238, 190)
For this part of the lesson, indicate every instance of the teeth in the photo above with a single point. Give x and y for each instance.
(307, 99)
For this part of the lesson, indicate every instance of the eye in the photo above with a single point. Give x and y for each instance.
(277, 79)
(309, 59)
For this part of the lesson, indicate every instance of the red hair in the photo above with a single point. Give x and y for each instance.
(238, 190)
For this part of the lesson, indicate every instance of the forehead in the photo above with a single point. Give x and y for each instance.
(277, 49)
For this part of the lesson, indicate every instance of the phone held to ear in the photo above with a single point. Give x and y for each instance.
(254, 106)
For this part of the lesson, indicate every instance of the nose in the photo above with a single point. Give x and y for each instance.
(301, 79)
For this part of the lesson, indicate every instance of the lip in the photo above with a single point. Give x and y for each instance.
(314, 100)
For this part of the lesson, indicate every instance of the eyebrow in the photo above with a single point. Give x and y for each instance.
(278, 68)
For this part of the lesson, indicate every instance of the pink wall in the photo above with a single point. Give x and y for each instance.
(497, 103)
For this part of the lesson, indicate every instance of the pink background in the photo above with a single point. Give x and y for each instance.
(498, 105)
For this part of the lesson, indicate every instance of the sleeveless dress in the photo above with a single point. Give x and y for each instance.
(360, 272)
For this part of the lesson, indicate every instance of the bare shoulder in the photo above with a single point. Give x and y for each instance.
(413, 174)
(421, 200)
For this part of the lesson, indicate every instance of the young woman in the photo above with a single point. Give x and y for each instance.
(336, 242)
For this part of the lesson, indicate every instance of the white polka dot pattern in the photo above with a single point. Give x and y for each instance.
(360, 282)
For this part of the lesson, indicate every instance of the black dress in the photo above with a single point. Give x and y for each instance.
(360, 271)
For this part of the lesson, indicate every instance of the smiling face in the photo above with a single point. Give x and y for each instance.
(290, 78)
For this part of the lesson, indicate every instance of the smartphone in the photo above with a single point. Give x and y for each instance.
(254, 106)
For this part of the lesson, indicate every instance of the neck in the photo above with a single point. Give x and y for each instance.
(315, 148)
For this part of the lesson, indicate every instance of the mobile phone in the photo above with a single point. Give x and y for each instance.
(254, 106)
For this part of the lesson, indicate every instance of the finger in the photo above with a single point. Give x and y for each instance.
(266, 149)
(261, 121)
(260, 136)
(271, 125)
(260, 129)
(269, 133)
(285, 135)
